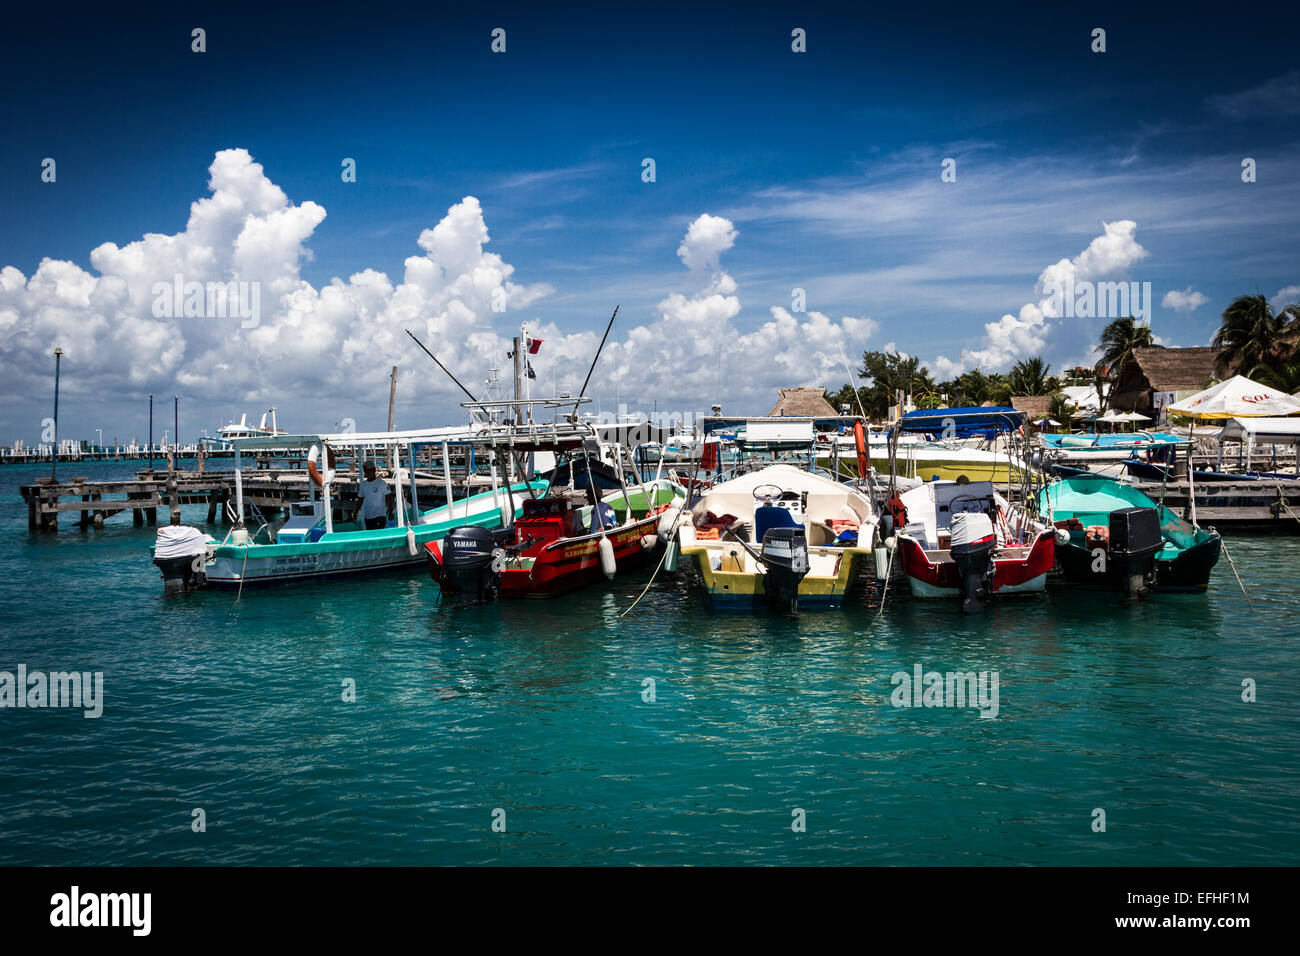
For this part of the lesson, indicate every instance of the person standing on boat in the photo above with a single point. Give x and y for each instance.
(377, 501)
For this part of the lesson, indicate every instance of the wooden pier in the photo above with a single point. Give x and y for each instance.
(1262, 506)
(269, 491)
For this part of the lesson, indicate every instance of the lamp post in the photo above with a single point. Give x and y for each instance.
(151, 433)
(54, 455)
(176, 431)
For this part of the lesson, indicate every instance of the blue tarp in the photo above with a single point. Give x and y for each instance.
(978, 420)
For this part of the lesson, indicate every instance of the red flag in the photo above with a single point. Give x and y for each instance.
(534, 345)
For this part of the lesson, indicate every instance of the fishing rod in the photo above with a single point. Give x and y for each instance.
(587, 380)
(441, 366)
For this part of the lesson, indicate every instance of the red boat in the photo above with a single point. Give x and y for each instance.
(594, 518)
(962, 539)
(555, 547)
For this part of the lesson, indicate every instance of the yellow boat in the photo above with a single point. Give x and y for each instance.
(779, 537)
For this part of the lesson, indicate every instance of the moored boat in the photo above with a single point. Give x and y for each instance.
(1110, 535)
(961, 538)
(312, 544)
(779, 537)
(567, 536)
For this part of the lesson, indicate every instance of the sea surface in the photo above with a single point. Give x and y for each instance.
(536, 717)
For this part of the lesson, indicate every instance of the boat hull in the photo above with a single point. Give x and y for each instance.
(928, 578)
(572, 563)
(1082, 567)
(1188, 570)
(743, 591)
(347, 552)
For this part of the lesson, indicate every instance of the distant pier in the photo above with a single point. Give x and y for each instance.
(267, 492)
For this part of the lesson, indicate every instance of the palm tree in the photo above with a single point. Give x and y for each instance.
(1031, 377)
(1250, 338)
(1061, 410)
(1118, 340)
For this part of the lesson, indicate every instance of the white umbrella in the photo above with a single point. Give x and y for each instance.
(1046, 421)
(1238, 397)
(1134, 417)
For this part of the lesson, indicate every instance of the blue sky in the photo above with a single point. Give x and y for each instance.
(825, 163)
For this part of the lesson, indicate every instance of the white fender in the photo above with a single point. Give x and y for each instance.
(670, 559)
(606, 549)
(668, 523)
(1062, 536)
(410, 541)
(648, 541)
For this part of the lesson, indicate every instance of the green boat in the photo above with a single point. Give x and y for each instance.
(1111, 535)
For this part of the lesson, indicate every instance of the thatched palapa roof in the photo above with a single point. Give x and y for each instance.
(1035, 407)
(803, 403)
(1178, 370)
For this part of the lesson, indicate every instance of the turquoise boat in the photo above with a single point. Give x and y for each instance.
(311, 543)
(1109, 535)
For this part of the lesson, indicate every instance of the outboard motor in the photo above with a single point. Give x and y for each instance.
(785, 552)
(973, 543)
(1134, 540)
(180, 553)
(469, 565)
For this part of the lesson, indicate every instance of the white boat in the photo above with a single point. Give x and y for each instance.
(230, 432)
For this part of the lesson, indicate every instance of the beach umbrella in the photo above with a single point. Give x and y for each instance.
(1238, 397)
(1135, 417)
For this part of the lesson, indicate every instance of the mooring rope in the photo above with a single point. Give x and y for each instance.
(1223, 544)
(889, 572)
(1281, 499)
(670, 544)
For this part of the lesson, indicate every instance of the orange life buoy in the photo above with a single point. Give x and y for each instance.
(312, 470)
(860, 437)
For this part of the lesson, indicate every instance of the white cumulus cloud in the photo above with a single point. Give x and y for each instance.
(1025, 333)
(329, 348)
(1184, 300)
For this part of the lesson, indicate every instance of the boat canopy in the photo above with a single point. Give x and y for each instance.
(800, 426)
(970, 422)
(353, 439)
(1262, 431)
(1082, 441)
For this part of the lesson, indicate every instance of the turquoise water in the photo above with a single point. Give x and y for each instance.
(536, 708)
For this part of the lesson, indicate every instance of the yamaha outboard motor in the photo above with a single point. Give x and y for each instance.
(1134, 540)
(470, 565)
(785, 552)
(180, 553)
(973, 543)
